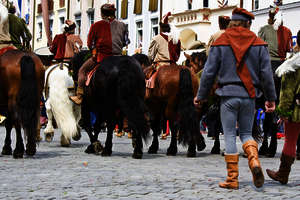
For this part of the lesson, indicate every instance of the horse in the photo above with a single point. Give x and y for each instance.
(21, 86)
(172, 97)
(116, 89)
(59, 85)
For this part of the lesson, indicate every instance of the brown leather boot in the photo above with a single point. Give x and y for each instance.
(78, 99)
(232, 172)
(282, 175)
(251, 149)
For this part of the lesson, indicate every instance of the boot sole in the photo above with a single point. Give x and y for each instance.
(260, 179)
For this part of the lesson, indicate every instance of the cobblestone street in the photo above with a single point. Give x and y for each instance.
(69, 173)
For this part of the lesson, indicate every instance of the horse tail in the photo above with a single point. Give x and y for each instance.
(131, 91)
(27, 99)
(189, 123)
(61, 106)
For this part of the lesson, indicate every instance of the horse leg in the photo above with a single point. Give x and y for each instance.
(172, 150)
(107, 151)
(77, 111)
(7, 150)
(273, 143)
(137, 144)
(263, 150)
(19, 150)
(216, 148)
(49, 130)
(155, 125)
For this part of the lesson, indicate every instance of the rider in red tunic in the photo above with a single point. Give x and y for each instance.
(107, 37)
(66, 44)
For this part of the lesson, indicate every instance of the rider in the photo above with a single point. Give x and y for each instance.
(65, 45)
(5, 41)
(165, 47)
(106, 37)
(18, 30)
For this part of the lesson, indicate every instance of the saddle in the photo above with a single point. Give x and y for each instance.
(5, 49)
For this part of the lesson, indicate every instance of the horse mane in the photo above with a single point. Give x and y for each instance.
(142, 59)
(3, 13)
(78, 60)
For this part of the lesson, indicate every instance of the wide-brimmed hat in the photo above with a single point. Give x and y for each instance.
(69, 25)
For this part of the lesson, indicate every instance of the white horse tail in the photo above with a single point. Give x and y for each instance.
(62, 108)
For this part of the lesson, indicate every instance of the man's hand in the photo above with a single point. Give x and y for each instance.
(270, 106)
(198, 102)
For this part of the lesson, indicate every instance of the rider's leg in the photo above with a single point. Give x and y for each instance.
(86, 67)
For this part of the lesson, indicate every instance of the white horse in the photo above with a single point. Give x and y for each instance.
(59, 106)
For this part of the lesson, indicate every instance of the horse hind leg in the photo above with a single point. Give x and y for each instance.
(155, 125)
(49, 130)
(7, 150)
(107, 151)
(77, 111)
(137, 143)
(172, 150)
(19, 150)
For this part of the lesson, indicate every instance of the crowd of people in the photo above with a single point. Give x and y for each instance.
(246, 66)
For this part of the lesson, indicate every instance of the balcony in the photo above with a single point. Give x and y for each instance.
(192, 17)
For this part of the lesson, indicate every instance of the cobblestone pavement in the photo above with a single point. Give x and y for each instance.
(68, 173)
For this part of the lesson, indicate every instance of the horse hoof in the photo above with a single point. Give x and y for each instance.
(17, 155)
(152, 150)
(191, 154)
(171, 152)
(215, 151)
(30, 152)
(39, 138)
(106, 153)
(262, 150)
(270, 155)
(6, 151)
(64, 142)
(49, 137)
(201, 146)
(137, 155)
(98, 148)
(90, 149)
(77, 137)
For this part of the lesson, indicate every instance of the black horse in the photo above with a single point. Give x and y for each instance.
(116, 90)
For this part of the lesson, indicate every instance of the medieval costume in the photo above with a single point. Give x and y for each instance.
(19, 33)
(5, 40)
(239, 58)
(65, 45)
(289, 110)
(164, 48)
(106, 38)
(223, 23)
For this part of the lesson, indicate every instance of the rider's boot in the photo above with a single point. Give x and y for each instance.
(79, 96)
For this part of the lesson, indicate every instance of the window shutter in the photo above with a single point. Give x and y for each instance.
(153, 4)
(124, 9)
(138, 6)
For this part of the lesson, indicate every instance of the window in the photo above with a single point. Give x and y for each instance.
(139, 34)
(61, 23)
(190, 4)
(51, 27)
(154, 27)
(205, 3)
(78, 24)
(91, 17)
(256, 4)
(40, 31)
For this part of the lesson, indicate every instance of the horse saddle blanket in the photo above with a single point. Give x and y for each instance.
(90, 75)
(5, 49)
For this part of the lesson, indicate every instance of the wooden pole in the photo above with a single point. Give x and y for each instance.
(241, 3)
(160, 9)
(68, 10)
(33, 26)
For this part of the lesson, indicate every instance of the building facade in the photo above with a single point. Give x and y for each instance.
(195, 20)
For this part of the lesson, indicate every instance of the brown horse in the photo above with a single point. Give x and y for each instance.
(21, 85)
(172, 97)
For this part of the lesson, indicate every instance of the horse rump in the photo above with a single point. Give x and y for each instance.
(27, 100)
